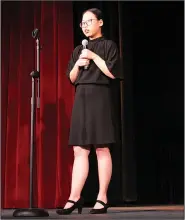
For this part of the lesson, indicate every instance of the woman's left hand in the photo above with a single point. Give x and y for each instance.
(87, 54)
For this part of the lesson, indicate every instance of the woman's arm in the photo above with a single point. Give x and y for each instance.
(102, 66)
(106, 66)
(75, 71)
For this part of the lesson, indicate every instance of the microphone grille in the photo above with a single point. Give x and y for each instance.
(84, 42)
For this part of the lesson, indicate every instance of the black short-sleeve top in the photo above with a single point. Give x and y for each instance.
(107, 50)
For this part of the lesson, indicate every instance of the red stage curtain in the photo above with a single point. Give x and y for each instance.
(53, 158)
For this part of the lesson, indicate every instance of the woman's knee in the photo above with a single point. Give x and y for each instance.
(101, 151)
(81, 151)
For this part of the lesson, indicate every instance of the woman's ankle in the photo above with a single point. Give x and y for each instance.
(102, 197)
(74, 198)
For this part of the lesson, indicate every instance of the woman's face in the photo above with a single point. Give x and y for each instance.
(90, 25)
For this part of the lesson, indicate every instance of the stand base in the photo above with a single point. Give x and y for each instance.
(32, 212)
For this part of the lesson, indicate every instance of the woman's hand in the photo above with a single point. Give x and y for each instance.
(88, 54)
(82, 62)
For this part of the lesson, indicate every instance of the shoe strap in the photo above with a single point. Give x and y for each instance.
(102, 203)
(71, 201)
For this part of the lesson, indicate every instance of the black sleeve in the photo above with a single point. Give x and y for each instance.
(72, 61)
(112, 60)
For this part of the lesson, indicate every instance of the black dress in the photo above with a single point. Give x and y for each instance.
(92, 120)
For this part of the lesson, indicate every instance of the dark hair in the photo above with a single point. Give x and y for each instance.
(96, 12)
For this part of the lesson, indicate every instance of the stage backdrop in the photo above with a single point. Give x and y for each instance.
(52, 172)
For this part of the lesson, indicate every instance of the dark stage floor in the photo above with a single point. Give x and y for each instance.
(146, 213)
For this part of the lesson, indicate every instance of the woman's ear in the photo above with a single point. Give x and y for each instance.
(101, 22)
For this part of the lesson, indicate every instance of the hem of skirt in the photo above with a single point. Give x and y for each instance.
(91, 144)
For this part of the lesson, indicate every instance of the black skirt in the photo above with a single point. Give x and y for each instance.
(92, 116)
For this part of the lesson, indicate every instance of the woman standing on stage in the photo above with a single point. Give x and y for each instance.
(92, 122)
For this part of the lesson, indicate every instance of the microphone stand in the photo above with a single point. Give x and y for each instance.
(33, 212)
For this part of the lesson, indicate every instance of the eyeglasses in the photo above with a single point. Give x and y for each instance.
(86, 23)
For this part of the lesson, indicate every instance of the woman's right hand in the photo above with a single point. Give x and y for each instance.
(82, 62)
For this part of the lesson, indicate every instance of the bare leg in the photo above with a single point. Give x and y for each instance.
(80, 173)
(104, 173)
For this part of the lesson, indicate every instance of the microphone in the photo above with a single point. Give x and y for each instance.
(85, 43)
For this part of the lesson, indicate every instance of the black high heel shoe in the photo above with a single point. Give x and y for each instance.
(77, 205)
(100, 211)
